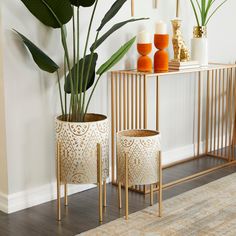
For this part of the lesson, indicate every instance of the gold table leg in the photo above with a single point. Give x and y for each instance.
(58, 182)
(151, 194)
(160, 185)
(104, 193)
(99, 179)
(119, 195)
(126, 188)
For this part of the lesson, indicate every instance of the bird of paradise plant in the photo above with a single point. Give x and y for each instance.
(203, 10)
(80, 68)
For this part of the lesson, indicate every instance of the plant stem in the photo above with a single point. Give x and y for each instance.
(59, 86)
(68, 65)
(65, 83)
(87, 75)
(77, 67)
(85, 51)
(91, 95)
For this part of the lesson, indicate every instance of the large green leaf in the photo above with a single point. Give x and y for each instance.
(53, 13)
(116, 57)
(112, 12)
(41, 59)
(91, 77)
(83, 3)
(112, 30)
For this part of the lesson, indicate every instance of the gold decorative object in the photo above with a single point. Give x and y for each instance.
(200, 32)
(138, 156)
(130, 96)
(79, 140)
(181, 52)
(177, 8)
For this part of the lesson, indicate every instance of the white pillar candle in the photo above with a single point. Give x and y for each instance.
(161, 27)
(144, 37)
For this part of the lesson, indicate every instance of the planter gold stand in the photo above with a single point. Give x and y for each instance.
(101, 184)
(139, 162)
(129, 100)
(82, 155)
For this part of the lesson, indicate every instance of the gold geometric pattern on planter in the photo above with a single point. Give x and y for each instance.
(142, 149)
(78, 153)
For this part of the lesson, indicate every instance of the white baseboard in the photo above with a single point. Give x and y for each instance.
(3, 202)
(22, 200)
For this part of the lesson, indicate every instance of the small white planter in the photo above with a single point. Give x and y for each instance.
(199, 46)
(78, 142)
(142, 148)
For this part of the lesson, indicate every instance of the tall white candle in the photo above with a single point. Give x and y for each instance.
(161, 27)
(144, 37)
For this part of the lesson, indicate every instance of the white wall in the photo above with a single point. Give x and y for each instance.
(31, 99)
(3, 162)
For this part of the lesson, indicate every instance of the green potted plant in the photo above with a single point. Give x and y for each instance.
(203, 10)
(77, 131)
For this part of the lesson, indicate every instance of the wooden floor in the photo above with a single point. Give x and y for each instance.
(82, 213)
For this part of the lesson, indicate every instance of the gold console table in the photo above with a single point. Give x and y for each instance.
(217, 83)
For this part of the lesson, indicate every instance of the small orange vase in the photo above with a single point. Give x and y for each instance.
(144, 62)
(161, 58)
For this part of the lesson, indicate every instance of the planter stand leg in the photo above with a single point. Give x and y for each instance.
(65, 195)
(126, 188)
(119, 195)
(151, 194)
(58, 182)
(104, 193)
(99, 179)
(160, 185)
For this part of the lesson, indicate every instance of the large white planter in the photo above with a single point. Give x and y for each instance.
(142, 148)
(78, 142)
(199, 45)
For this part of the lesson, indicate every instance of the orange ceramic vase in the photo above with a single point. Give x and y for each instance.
(144, 62)
(161, 58)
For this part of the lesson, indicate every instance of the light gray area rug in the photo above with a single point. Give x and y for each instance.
(207, 210)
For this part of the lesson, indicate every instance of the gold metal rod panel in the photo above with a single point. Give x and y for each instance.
(140, 102)
(207, 111)
(212, 110)
(126, 187)
(145, 101)
(234, 122)
(132, 102)
(112, 128)
(215, 109)
(223, 110)
(117, 105)
(99, 173)
(58, 181)
(124, 104)
(128, 102)
(160, 184)
(226, 113)
(199, 113)
(120, 101)
(136, 102)
(157, 103)
(219, 111)
(230, 112)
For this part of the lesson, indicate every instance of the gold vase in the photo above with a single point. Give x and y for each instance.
(78, 141)
(200, 32)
